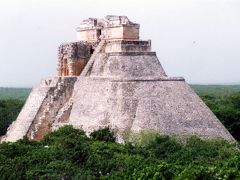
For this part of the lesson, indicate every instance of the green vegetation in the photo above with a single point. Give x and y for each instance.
(216, 90)
(11, 103)
(14, 93)
(69, 154)
(103, 135)
(9, 110)
(227, 109)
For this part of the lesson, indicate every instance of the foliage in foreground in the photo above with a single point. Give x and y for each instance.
(9, 110)
(227, 109)
(69, 154)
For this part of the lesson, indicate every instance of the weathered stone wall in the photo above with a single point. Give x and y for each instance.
(131, 32)
(89, 35)
(121, 33)
(128, 46)
(167, 107)
(72, 57)
(126, 65)
(89, 30)
(55, 100)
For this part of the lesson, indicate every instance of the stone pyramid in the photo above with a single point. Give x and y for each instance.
(111, 78)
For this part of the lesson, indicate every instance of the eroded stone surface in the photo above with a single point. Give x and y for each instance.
(72, 57)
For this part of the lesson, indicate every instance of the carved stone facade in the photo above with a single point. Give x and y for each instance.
(72, 58)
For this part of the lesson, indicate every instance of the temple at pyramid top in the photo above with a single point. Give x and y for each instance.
(122, 36)
(108, 28)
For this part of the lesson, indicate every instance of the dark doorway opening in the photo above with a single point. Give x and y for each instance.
(99, 32)
(91, 50)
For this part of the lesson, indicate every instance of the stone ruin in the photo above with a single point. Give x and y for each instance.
(111, 78)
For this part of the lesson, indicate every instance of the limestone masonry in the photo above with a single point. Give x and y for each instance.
(110, 77)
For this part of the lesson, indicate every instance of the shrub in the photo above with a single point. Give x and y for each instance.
(69, 154)
(104, 134)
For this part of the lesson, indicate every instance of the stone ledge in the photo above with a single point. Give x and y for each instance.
(131, 53)
(122, 25)
(114, 79)
(128, 42)
(127, 46)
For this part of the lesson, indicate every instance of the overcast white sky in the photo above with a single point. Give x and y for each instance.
(196, 39)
